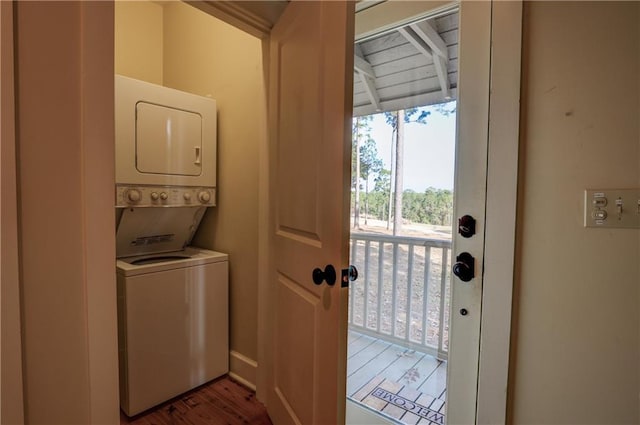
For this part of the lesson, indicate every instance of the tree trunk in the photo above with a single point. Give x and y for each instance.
(356, 206)
(397, 215)
(394, 142)
(366, 200)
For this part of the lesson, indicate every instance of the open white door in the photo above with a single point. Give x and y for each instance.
(488, 80)
(310, 103)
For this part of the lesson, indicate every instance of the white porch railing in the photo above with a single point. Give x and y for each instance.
(403, 292)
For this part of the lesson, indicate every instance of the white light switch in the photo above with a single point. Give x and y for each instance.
(612, 208)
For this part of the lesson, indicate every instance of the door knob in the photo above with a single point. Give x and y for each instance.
(349, 275)
(328, 275)
(464, 267)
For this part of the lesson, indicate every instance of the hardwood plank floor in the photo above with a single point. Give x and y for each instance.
(220, 402)
(225, 402)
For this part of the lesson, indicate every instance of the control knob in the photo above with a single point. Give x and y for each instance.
(204, 196)
(187, 196)
(163, 196)
(134, 195)
(154, 196)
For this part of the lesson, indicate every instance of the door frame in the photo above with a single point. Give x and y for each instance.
(500, 221)
(11, 386)
(502, 185)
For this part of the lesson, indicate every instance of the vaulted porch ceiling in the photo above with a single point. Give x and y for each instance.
(412, 65)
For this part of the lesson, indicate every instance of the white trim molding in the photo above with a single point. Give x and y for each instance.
(243, 369)
(502, 185)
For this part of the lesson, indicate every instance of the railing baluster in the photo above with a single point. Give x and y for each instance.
(364, 241)
(394, 288)
(409, 292)
(367, 246)
(425, 293)
(380, 281)
(443, 287)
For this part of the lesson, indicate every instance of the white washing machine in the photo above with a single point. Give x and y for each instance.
(173, 324)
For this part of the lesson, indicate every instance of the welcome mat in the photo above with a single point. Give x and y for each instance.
(400, 402)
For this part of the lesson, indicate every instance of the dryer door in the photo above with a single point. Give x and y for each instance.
(168, 140)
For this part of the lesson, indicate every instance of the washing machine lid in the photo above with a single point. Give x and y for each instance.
(189, 257)
(145, 231)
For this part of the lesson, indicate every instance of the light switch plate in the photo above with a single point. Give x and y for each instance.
(612, 208)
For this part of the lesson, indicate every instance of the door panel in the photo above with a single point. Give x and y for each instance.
(295, 334)
(300, 138)
(310, 95)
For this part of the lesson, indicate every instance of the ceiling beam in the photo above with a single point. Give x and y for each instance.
(430, 36)
(439, 62)
(360, 63)
(404, 103)
(426, 31)
(372, 92)
(443, 75)
(363, 67)
(416, 41)
(367, 76)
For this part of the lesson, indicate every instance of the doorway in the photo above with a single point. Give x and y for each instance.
(472, 371)
(401, 218)
(399, 307)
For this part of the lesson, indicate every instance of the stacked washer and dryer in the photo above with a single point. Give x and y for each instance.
(172, 297)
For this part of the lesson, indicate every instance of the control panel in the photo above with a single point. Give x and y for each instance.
(612, 208)
(164, 196)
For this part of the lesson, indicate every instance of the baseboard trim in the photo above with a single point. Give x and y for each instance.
(243, 369)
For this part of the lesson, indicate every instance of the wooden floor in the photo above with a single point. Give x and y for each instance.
(373, 365)
(376, 367)
(220, 402)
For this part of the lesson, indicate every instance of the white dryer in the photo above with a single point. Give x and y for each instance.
(173, 324)
(164, 136)
(165, 139)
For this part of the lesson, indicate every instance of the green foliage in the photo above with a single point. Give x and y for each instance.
(409, 116)
(434, 206)
(445, 109)
(383, 182)
(370, 164)
(361, 133)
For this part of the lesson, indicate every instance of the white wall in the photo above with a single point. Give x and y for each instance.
(576, 341)
(138, 40)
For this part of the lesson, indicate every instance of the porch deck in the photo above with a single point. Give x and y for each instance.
(406, 385)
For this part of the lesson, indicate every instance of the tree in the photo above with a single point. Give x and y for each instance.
(361, 130)
(378, 199)
(370, 165)
(397, 121)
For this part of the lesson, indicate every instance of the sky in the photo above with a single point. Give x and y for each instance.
(429, 150)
